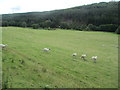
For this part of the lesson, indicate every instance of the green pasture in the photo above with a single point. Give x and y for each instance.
(25, 65)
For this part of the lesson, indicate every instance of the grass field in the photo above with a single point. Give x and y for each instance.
(25, 65)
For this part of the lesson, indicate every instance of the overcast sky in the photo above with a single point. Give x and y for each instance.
(18, 6)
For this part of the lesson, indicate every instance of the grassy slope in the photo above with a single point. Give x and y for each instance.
(58, 68)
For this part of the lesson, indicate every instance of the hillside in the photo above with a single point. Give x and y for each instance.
(104, 13)
(25, 65)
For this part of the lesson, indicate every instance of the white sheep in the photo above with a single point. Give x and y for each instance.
(74, 54)
(46, 49)
(83, 56)
(94, 58)
(3, 46)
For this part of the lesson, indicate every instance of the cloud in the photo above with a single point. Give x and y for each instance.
(15, 9)
(17, 6)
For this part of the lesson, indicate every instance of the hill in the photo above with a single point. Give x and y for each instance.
(102, 16)
(25, 65)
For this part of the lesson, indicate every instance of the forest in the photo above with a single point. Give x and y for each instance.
(101, 16)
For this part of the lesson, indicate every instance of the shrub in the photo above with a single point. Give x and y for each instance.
(92, 27)
(35, 26)
(83, 27)
(64, 25)
(108, 27)
(87, 29)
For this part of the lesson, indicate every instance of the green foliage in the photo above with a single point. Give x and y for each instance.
(64, 25)
(46, 24)
(87, 29)
(75, 26)
(95, 14)
(92, 27)
(24, 24)
(83, 27)
(108, 27)
(12, 23)
(5, 23)
(35, 26)
(118, 30)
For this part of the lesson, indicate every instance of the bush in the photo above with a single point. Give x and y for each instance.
(35, 26)
(108, 27)
(83, 27)
(47, 24)
(64, 25)
(92, 27)
(87, 29)
(118, 30)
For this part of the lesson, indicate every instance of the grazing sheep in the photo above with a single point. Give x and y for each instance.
(3, 46)
(46, 49)
(94, 58)
(74, 54)
(83, 56)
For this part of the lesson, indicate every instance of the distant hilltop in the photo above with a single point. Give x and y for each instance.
(99, 16)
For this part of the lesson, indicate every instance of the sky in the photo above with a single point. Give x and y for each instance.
(20, 6)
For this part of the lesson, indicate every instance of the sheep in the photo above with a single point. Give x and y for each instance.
(3, 46)
(46, 49)
(94, 58)
(74, 54)
(83, 56)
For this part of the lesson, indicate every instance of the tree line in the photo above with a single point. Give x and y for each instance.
(94, 17)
